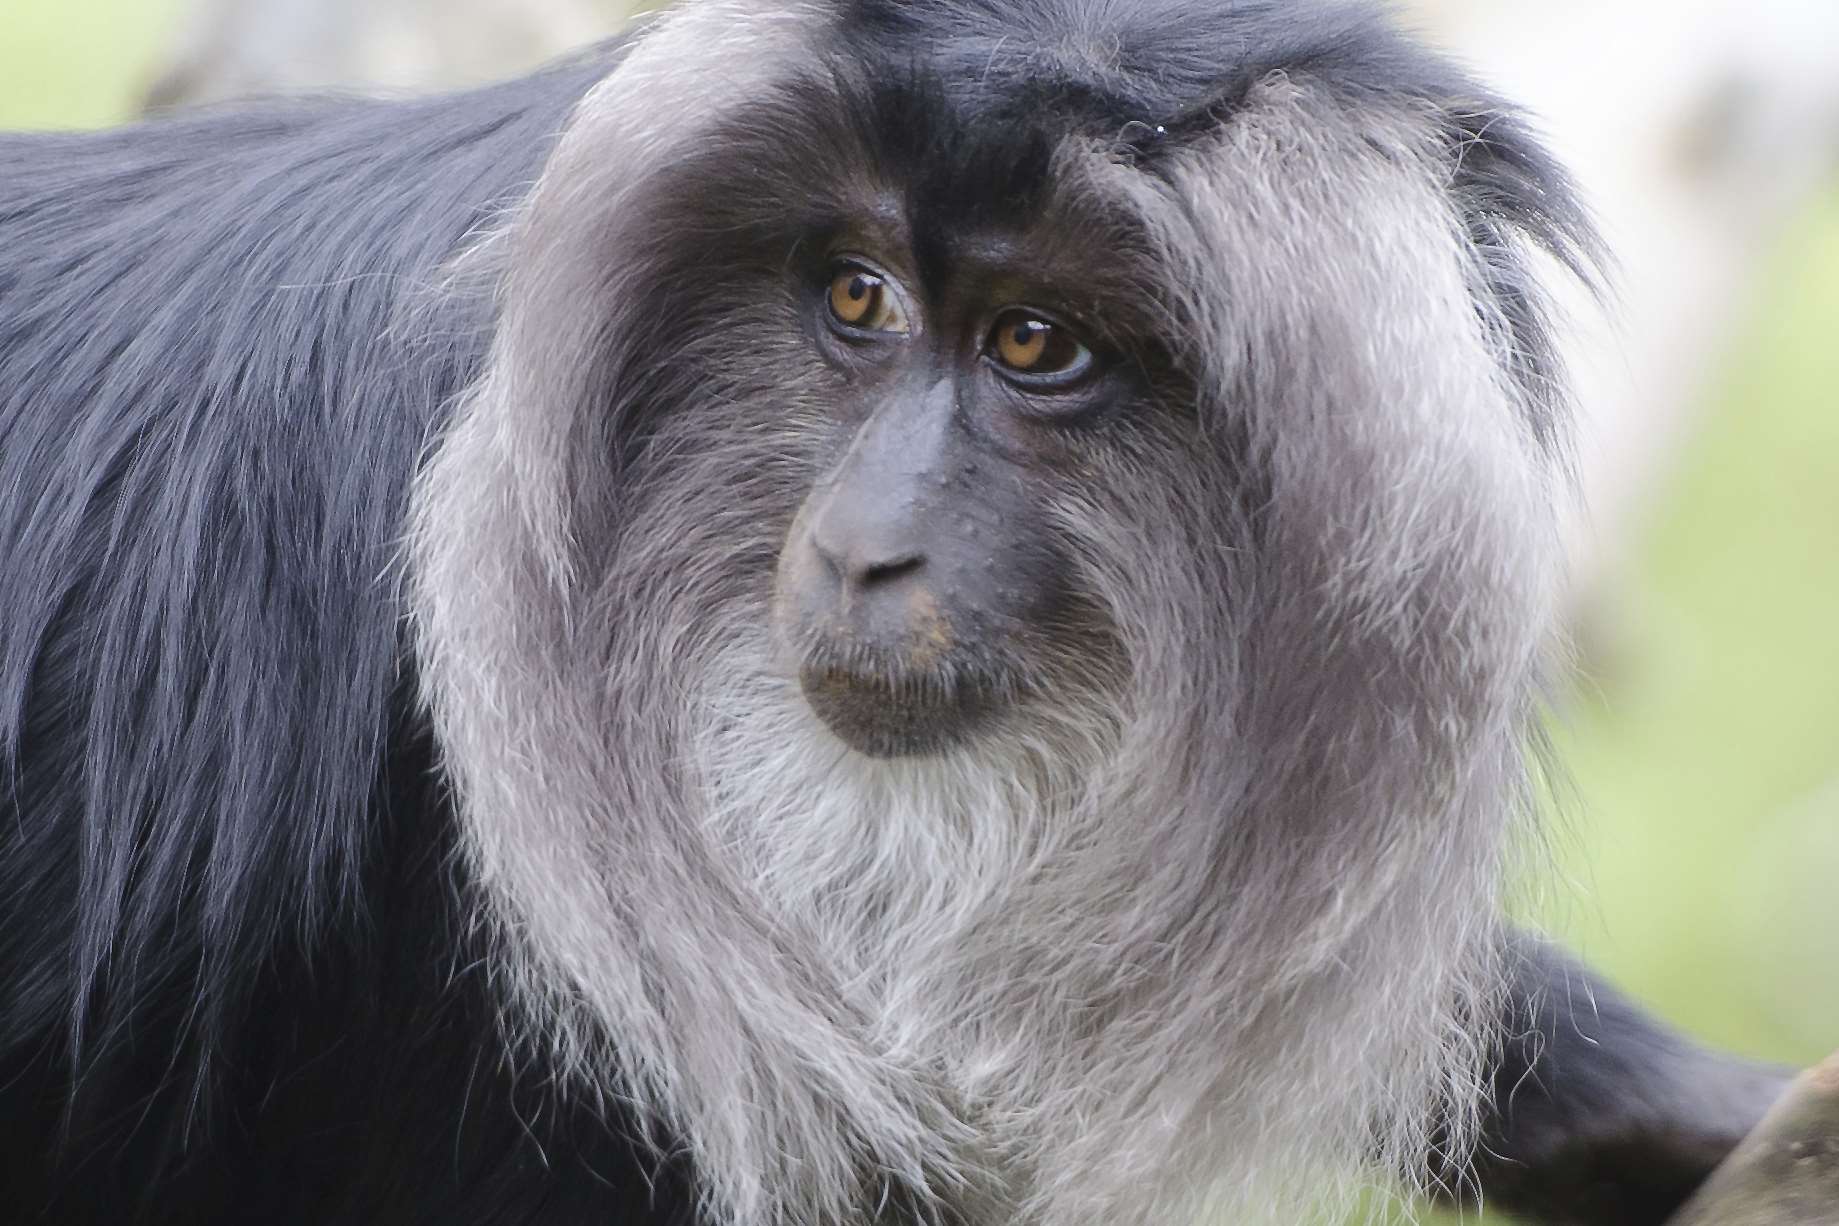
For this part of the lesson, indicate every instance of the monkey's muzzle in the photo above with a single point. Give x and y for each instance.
(873, 630)
(894, 716)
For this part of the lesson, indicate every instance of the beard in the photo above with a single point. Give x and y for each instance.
(996, 921)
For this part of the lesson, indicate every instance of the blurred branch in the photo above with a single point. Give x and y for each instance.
(1787, 1172)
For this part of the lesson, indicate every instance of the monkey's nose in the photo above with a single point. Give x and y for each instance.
(858, 576)
(863, 561)
(865, 582)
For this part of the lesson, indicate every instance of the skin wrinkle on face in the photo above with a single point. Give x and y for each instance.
(1055, 975)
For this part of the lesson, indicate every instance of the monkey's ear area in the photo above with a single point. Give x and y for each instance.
(1506, 180)
(1521, 210)
(1307, 196)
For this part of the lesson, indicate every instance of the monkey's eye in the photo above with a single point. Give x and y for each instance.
(1036, 351)
(863, 301)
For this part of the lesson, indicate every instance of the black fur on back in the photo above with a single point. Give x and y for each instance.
(239, 984)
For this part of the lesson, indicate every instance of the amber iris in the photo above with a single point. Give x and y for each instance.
(1024, 343)
(1027, 344)
(862, 300)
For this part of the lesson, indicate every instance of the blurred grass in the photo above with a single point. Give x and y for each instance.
(1703, 859)
(1707, 764)
(78, 63)
(1700, 854)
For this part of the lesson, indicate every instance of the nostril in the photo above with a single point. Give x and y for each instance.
(858, 553)
(833, 566)
(879, 573)
(848, 566)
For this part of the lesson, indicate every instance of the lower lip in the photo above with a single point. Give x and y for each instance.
(882, 721)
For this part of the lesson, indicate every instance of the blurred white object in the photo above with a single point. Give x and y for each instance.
(1696, 128)
(240, 48)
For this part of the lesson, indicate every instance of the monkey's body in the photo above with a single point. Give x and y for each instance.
(206, 440)
(249, 976)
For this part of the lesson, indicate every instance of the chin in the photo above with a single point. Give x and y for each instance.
(898, 717)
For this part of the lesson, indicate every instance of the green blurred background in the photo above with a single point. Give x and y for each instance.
(1698, 854)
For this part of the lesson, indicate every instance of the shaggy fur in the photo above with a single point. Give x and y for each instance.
(411, 812)
(1219, 910)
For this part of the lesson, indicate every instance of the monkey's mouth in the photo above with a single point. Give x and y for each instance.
(896, 717)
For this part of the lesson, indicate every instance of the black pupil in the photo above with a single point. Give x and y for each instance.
(1027, 330)
(860, 287)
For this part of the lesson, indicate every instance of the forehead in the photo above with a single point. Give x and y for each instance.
(964, 103)
(1052, 132)
(1151, 59)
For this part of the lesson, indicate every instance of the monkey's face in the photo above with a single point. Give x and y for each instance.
(929, 364)
(1026, 408)
(924, 584)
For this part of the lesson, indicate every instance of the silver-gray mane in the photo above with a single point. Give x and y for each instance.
(1217, 924)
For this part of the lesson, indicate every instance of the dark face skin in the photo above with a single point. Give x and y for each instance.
(923, 572)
